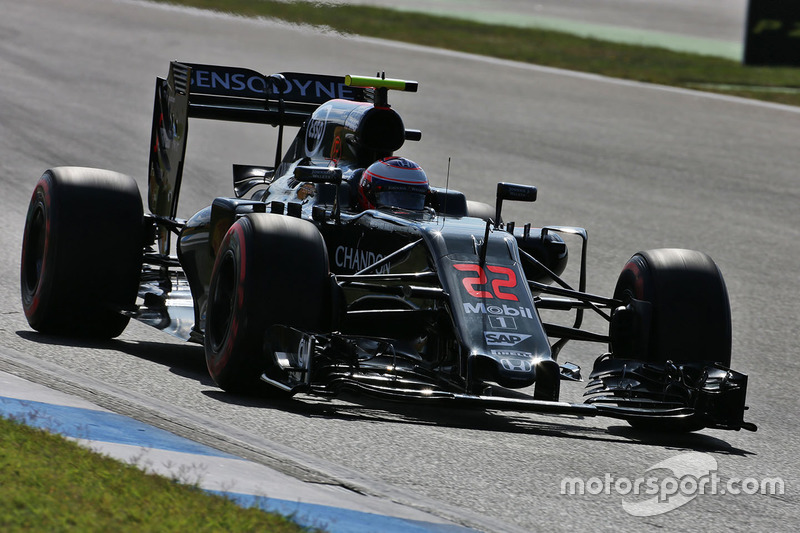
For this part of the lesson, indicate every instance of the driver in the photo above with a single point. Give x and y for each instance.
(393, 182)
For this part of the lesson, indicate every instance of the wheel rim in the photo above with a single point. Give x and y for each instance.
(222, 302)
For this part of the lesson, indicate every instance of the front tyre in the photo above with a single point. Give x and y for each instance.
(81, 252)
(687, 316)
(270, 269)
(677, 310)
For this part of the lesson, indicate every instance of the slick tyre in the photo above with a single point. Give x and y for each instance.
(270, 269)
(81, 252)
(481, 210)
(688, 318)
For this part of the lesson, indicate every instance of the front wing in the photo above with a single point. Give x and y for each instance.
(691, 397)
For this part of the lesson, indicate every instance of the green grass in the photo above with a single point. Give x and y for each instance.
(534, 46)
(48, 483)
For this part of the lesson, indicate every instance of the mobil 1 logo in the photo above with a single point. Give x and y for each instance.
(504, 310)
(502, 322)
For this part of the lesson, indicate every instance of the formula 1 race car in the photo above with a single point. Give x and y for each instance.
(339, 268)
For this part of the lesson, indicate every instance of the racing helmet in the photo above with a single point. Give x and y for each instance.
(393, 182)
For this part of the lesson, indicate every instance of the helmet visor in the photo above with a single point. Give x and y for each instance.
(412, 200)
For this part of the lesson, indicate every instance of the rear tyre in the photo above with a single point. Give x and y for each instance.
(688, 319)
(81, 252)
(481, 210)
(270, 269)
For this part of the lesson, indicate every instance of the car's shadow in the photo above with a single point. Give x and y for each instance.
(188, 361)
(361, 408)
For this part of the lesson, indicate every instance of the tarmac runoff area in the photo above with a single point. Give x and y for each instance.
(250, 484)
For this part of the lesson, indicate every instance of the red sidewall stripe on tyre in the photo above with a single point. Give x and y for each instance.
(236, 232)
(36, 299)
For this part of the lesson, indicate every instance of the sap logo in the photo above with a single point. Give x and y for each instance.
(503, 310)
(503, 339)
(355, 259)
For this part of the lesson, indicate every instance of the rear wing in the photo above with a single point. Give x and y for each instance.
(193, 90)
(243, 95)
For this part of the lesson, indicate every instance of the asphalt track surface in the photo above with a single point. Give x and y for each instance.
(639, 166)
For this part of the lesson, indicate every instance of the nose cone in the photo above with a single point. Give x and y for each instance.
(506, 370)
(513, 371)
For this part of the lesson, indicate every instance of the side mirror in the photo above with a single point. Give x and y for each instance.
(318, 174)
(322, 175)
(513, 191)
(506, 191)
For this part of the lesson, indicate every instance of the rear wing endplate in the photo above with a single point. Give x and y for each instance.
(225, 93)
